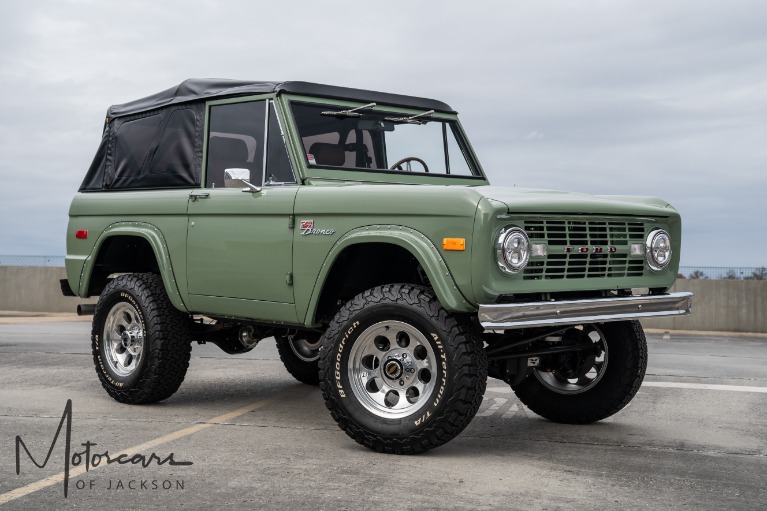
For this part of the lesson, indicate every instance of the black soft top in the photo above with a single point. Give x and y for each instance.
(201, 89)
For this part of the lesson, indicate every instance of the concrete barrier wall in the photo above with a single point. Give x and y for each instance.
(718, 305)
(35, 289)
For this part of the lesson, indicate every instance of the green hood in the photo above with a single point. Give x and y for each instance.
(526, 200)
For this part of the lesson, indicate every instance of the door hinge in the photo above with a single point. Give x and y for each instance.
(291, 221)
(289, 279)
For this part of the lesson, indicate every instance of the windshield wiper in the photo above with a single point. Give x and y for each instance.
(352, 112)
(415, 119)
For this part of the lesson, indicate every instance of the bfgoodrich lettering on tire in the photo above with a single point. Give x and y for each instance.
(400, 374)
(140, 342)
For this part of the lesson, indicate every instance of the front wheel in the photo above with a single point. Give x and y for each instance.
(400, 374)
(585, 386)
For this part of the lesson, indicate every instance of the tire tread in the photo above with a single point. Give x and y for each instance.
(305, 372)
(168, 330)
(469, 364)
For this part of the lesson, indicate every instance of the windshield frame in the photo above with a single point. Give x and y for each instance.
(377, 174)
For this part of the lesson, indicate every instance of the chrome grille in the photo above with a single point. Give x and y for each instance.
(576, 233)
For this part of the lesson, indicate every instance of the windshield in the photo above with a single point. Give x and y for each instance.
(364, 139)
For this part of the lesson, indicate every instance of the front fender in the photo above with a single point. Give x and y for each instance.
(156, 240)
(411, 240)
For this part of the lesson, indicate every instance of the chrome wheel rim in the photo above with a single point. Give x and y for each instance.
(304, 349)
(593, 370)
(392, 369)
(123, 339)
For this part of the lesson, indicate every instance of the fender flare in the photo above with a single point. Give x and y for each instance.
(156, 240)
(418, 244)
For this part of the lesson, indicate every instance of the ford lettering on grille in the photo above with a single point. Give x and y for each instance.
(585, 248)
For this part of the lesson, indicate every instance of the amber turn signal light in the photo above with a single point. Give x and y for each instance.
(453, 244)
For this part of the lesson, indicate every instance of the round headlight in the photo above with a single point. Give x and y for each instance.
(658, 249)
(512, 250)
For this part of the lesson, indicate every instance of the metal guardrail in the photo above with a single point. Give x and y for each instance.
(26, 260)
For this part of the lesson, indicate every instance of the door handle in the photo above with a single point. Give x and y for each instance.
(198, 195)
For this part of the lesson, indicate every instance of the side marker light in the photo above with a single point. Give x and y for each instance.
(453, 244)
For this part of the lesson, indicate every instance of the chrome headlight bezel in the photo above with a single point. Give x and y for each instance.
(656, 249)
(504, 249)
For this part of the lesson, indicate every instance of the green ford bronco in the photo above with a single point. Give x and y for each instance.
(359, 230)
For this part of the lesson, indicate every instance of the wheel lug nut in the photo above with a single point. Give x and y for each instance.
(401, 383)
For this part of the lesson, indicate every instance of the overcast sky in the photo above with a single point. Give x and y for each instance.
(665, 98)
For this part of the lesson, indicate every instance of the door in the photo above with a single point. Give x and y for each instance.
(239, 244)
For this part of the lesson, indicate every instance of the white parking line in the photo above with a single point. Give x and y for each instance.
(672, 385)
(498, 401)
(704, 386)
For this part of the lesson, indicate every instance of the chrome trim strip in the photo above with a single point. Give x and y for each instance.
(598, 310)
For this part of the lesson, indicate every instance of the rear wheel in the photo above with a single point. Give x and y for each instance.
(140, 342)
(588, 385)
(400, 374)
(300, 354)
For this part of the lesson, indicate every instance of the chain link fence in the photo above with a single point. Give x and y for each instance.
(723, 272)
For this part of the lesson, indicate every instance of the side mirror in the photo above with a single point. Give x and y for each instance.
(237, 177)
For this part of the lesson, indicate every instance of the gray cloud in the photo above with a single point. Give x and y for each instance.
(650, 98)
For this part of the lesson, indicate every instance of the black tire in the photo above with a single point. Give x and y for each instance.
(304, 367)
(420, 324)
(138, 303)
(623, 375)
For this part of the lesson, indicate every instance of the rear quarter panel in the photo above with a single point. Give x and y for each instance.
(95, 212)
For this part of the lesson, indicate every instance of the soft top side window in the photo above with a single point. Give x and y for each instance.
(158, 150)
(175, 151)
(132, 143)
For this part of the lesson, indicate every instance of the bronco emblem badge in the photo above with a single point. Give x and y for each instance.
(307, 229)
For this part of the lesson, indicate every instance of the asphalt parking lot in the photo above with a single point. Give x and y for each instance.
(694, 437)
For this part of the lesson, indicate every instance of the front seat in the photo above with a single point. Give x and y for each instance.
(328, 154)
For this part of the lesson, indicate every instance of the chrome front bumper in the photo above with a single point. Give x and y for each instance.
(598, 310)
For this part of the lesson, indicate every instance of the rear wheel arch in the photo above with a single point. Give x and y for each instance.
(393, 242)
(129, 247)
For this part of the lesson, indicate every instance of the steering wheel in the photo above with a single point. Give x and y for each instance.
(406, 161)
